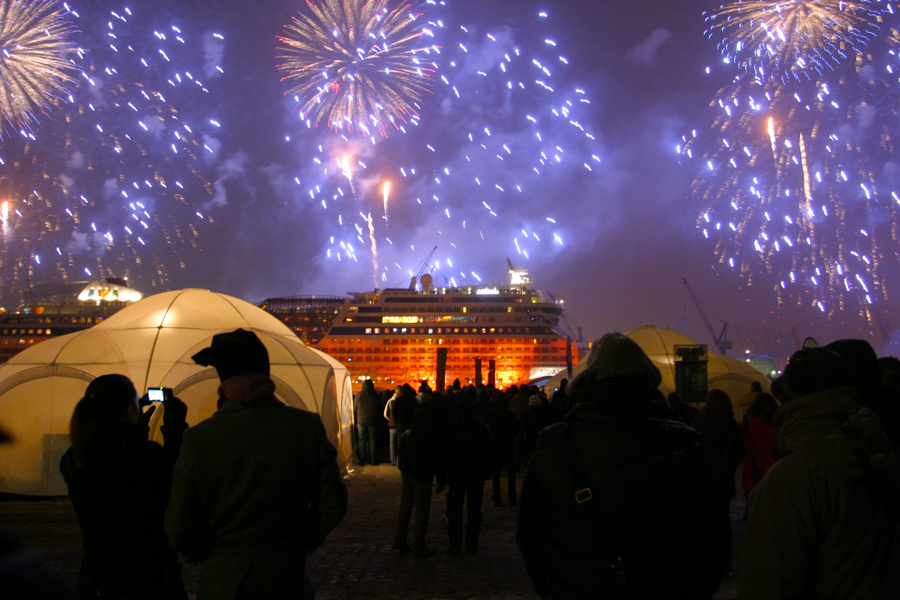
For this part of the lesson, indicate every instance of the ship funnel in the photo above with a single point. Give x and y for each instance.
(427, 280)
(412, 284)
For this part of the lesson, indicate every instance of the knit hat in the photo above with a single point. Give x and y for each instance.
(535, 400)
(615, 356)
(812, 370)
(235, 353)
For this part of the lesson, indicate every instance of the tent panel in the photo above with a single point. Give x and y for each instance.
(37, 413)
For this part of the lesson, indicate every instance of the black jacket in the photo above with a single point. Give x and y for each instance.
(470, 453)
(653, 519)
(422, 449)
(120, 499)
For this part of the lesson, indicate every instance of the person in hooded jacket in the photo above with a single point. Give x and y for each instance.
(824, 522)
(469, 464)
(617, 500)
(119, 484)
(256, 487)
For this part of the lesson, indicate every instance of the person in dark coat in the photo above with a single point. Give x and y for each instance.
(681, 410)
(536, 418)
(119, 486)
(722, 444)
(504, 427)
(559, 402)
(720, 440)
(405, 407)
(392, 423)
(823, 522)
(618, 501)
(863, 362)
(368, 417)
(422, 456)
(469, 464)
(256, 487)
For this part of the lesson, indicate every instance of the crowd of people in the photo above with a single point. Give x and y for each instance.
(626, 492)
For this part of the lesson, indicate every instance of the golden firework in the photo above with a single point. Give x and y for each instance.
(34, 63)
(795, 34)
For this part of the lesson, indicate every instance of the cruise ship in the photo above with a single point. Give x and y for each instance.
(392, 336)
(51, 310)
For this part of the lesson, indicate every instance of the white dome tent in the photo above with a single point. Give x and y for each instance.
(729, 374)
(152, 342)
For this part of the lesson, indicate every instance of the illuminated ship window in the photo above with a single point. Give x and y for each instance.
(368, 330)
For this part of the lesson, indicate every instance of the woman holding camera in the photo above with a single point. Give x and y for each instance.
(119, 484)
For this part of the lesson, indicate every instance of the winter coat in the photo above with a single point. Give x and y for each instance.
(824, 522)
(256, 489)
(653, 519)
(535, 419)
(504, 426)
(120, 498)
(470, 453)
(368, 408)
(762, 448)
(723, 446)
(422, 449)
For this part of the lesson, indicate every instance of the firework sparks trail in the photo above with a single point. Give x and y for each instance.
(796, 178)
(374, 251)
(505, 128)
(34, 59)
(113, 184)
(355, 64)
(386, 190)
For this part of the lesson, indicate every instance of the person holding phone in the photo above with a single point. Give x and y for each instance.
(119, 484)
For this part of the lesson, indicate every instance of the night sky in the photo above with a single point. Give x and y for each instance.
(628, 227)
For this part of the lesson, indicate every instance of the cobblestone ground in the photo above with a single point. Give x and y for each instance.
(356, 560)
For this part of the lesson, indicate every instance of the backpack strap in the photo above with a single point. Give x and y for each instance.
(584, 499)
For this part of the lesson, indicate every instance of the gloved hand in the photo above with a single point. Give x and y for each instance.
(176, 413)
(144, 417)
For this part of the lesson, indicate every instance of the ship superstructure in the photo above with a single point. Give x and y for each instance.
(391, 336)
(52, 310)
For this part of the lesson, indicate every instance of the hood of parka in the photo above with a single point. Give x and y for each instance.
(833, 430)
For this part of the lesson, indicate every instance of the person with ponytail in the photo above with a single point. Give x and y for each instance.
(119, 484)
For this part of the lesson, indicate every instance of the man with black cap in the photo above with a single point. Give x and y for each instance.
(618, 501)
(824, 522)
(256, 487)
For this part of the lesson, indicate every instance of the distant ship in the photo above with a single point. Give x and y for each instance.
(51, 310)
(391, 336)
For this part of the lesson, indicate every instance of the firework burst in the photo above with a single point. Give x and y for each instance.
(34, 63)
(354, 64)
(114, 185)
(505, 130)
(797, 175)
(793, 35)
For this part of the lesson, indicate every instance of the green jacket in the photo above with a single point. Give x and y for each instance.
(256, 488)
(825, 520)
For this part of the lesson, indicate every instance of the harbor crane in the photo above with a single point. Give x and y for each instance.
(720, 342)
